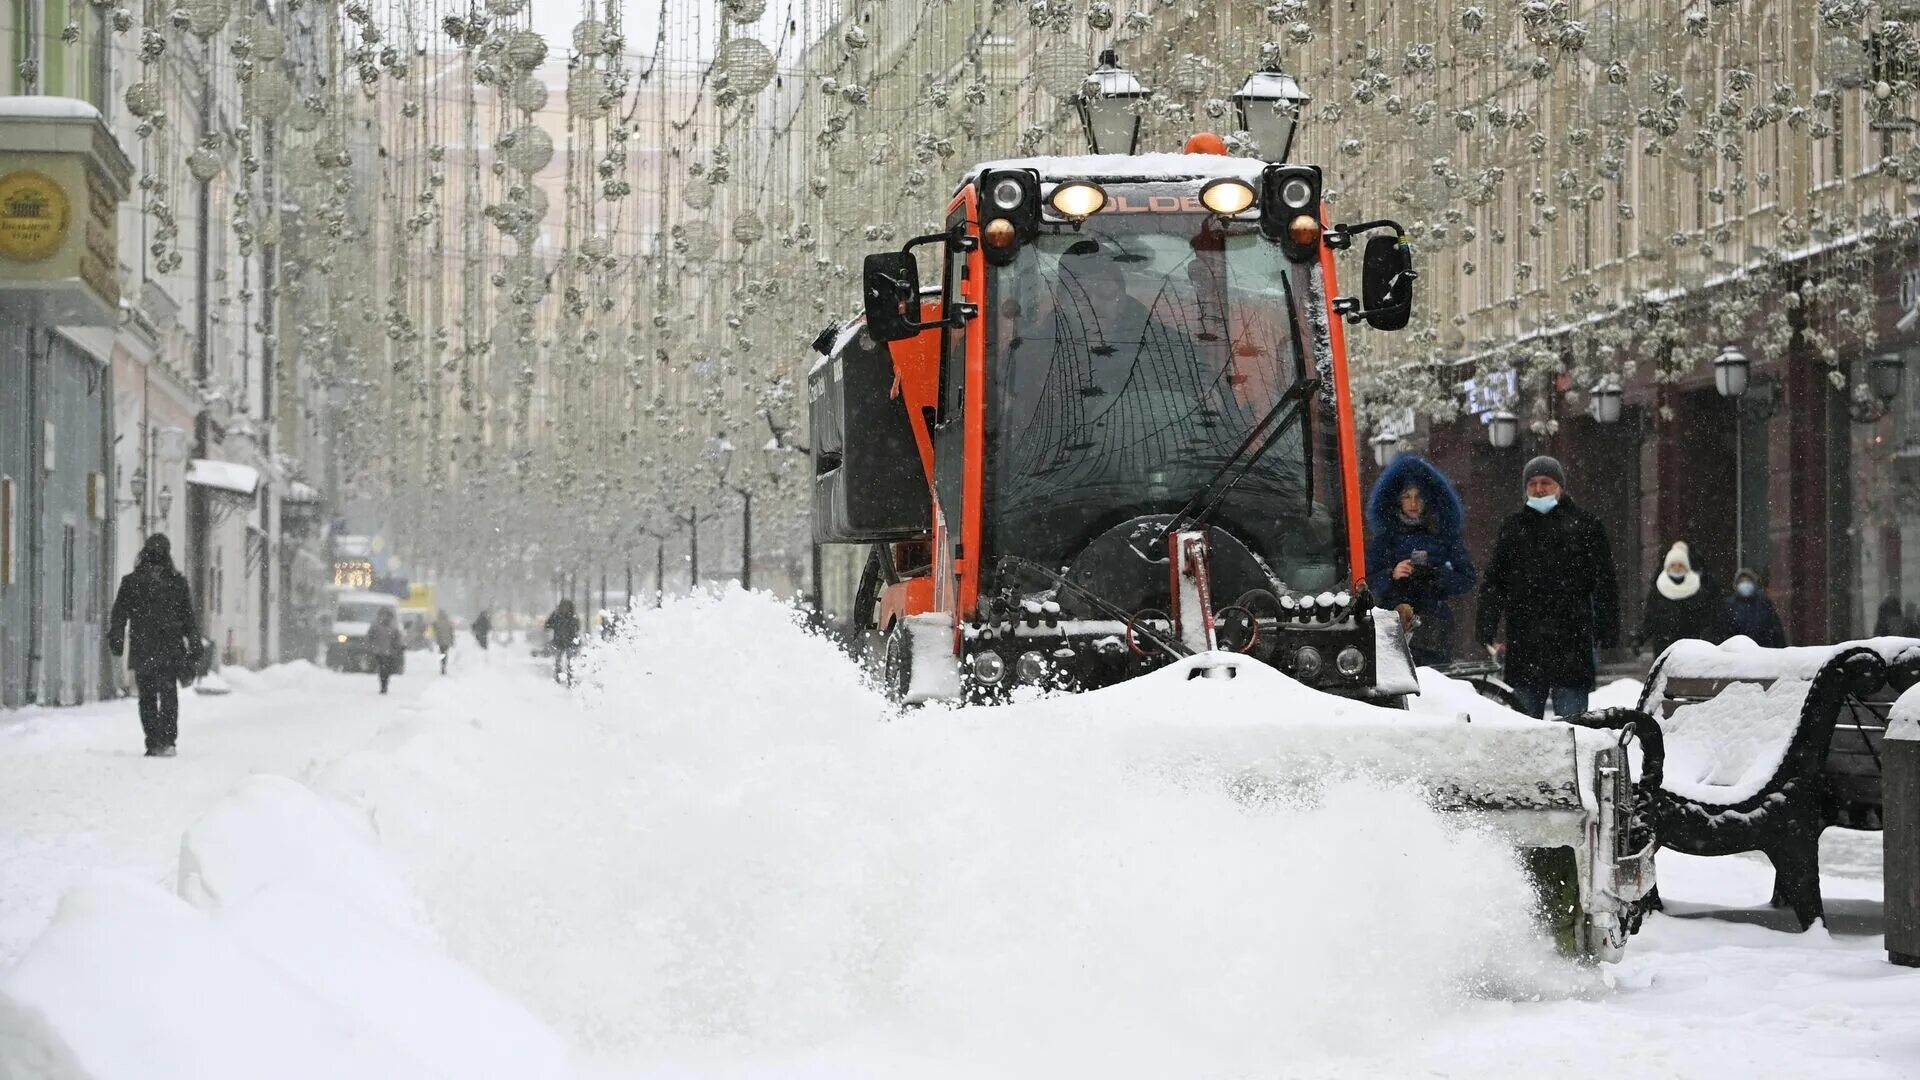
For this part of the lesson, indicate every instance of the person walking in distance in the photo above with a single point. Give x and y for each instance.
(563, 633)
(154, 625)
(1550, 589)
(482, 626)
(386, 643)
(1751, 614)
(443, 637)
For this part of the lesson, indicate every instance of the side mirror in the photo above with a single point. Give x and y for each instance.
(890, 283)
(1386, 283)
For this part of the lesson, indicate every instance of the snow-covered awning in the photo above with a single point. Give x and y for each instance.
(223, 476)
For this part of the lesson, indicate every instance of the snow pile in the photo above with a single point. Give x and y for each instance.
(1724, 749)
(273, 831)
(293, 951)
(729, 847)
(1618, 694)
(293, 675)
(1903, 719)
(132, 983)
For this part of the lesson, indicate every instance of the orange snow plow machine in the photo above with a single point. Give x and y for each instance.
(1106, 429)
(1101, 425)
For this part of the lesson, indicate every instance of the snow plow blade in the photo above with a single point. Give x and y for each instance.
(1541, 785)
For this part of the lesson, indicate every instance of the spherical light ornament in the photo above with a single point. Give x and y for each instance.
(698, 194)
(530, 95)
(587, 34)
(702, 237)
(531, 151)
(143, 99)
(587, 93)
(743, 11)
(1844, 60)
(747, 228)
(1100, 15)
(526, 49)
(207, 17)
(1061, 67)
(330, 151)
(855, 38)
(596, 247)
(268, 42)
(1192, 74)
(747, 63)
(204, 164)
(267, 95)
(304, 118)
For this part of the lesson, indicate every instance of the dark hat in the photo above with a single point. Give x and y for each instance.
(1544, 466)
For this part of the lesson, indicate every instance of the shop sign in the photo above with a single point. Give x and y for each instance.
(34, 216)
(1488, 394)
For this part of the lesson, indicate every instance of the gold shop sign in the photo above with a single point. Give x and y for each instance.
(34, 216)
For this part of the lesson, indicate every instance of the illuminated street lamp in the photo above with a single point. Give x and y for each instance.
(1503, 429)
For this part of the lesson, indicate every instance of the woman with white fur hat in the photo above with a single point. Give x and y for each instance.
(1682, 602)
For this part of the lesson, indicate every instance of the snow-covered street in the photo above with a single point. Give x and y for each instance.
(713, 862)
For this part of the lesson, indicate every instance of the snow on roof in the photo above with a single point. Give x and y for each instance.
(1167, 168)
(223, 475)
(47, 107)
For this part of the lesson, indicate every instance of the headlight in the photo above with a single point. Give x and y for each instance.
(1076, 199)
(1296, 193)
(343, 639)
(989, 668)
(1227, 196)
(1030, 668)
(1008, 193)
(1351, 661)
(1306, 662)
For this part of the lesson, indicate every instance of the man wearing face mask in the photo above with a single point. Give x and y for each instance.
(1751, 614)
(1551, 583)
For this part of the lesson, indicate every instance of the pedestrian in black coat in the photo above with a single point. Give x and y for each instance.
(1751, 614)
(1683, 602)
(1551, 583)
(482, 626)
(155, 606)
(563, 632)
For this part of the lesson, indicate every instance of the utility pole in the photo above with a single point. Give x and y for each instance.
(693, 550)
(746, 538)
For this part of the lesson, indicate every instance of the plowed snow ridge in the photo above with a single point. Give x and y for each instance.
(724, 845)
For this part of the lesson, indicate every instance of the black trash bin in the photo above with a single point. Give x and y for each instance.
(1900, 821)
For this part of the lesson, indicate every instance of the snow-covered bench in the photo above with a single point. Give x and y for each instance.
(1765, 748)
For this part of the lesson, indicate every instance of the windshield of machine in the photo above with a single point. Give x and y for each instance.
(358, 613)
(1130, 359)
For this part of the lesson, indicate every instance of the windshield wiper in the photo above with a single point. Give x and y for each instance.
(1205, 504)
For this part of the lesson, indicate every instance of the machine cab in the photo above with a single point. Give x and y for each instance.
(1126, 348)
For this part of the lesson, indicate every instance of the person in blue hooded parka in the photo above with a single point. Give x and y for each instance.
(1416, 562)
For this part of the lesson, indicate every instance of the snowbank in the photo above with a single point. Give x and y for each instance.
(309, 957)
(132, 983)
(778, 865)
(1903, 719)
(275, 831)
